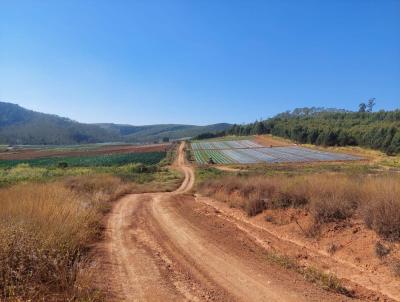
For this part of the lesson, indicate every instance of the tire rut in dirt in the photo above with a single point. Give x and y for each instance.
(226, 257)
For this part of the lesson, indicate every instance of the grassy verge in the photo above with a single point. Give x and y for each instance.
(153, 169)
(292, 169)
(207, 173)
(374, 157)
(327, 281)
(50, 216)
(45, 230)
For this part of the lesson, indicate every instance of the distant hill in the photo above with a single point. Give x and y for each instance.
(158, 132)
(22, 126)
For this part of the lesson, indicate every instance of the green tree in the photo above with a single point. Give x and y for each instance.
(371, 104)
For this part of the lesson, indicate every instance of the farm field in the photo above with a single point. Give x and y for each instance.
(140, 164)
(32, 152)
(148, 158)
(249, 152)
(220, 145)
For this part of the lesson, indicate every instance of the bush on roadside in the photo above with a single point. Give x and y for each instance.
(254, 207)
(328, 197)
(381, 207)
(45, 230)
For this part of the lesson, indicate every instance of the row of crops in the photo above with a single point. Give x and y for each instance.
(239, 144)
(148, 158)
(256, 153)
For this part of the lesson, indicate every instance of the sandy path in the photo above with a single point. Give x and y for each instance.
(169, 247)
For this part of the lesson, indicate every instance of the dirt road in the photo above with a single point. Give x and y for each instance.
(170, 247)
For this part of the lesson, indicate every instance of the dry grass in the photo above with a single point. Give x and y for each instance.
(328, 197)
(396, 267)
(381, 250)
(381, 206)
(333, 197)
(45, 230)
(254, 207)
(273, 141)
(327, 281)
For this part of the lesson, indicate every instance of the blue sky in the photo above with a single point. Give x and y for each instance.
(197, 62)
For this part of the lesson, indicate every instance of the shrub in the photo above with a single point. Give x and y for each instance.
(381, 207)
(285, 199)
(328, 197)
(62, 165)
(330, 209)
(381, 250)
(333, 198)
(254, 207)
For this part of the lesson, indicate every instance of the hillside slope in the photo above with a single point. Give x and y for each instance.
(158, 132)
(22, 126)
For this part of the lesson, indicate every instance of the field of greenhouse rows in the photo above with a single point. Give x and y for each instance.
(239, 144)
(249, 152)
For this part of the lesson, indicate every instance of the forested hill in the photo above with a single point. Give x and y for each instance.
(160, 131)
(22, 126)
(26, 127)
(331, 127)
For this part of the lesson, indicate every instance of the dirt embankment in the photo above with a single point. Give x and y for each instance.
(346, 249)
(175, 247)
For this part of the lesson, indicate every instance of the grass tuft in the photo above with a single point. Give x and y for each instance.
(45, 230)
(381, 250)
(326, 281)
(328, 197)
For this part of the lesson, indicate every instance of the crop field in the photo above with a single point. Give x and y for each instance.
(249, 152)
(148, 158)
(34, 152)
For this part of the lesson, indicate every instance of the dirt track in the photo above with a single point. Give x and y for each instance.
(170, 247)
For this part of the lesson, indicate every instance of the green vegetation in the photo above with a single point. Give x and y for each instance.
(209, 135)
(140, 168)
(149, 158)
(19, 126)
(327, 281)
(203, 174)
(137, 173)
(153, 133)
(52, 211)
(332, 127)
(226, 137)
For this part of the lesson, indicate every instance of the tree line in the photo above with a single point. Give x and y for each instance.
(331, 127)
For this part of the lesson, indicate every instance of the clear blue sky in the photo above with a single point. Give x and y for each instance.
(197, 62)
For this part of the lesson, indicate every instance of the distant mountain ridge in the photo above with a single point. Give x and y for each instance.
(22, 126)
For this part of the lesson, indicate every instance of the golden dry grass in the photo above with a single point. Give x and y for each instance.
(45, 230)
(328, 197)
(273, 141)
